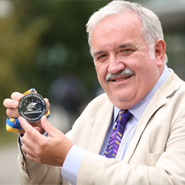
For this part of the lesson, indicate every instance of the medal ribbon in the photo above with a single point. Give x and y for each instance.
(13, 125)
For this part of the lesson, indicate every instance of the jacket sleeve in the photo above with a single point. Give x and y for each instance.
(31, 172)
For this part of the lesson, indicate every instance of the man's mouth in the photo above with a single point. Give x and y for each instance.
(120, 79)
(122, 75)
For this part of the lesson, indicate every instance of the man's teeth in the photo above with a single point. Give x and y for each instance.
(122, 79)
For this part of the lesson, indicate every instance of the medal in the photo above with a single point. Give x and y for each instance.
(27, 108)
(32, 106)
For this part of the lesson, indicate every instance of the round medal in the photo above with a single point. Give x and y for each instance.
(32, 107)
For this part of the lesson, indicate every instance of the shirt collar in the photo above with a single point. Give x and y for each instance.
(138, 109)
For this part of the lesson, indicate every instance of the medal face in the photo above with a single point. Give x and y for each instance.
(32, 107)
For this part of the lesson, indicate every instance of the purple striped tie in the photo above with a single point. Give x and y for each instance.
(117, 134)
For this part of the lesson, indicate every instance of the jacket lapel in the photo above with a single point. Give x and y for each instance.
(100, 127)
(168, 88)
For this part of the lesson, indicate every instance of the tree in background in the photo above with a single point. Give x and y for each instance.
(44, 41)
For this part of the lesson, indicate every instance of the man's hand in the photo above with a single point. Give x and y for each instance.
(12, 111)
(45, 150)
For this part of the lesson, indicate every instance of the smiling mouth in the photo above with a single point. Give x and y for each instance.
(120, 79)
(122, 75)
(117, 80)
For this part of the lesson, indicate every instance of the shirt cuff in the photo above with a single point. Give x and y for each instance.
(71, 164)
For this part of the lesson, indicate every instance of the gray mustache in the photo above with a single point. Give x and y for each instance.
(126, 71)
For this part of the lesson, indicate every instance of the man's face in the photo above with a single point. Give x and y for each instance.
(118, 43)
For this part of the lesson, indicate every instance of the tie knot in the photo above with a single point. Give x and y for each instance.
(123, 116)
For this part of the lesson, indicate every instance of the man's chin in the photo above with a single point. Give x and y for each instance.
(121, 100)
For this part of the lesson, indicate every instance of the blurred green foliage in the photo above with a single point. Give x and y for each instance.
(43, 40)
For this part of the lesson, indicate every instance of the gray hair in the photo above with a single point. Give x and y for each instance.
(152, 29)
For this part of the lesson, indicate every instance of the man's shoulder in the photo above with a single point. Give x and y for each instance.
(98, 106)
(173, 84)
(172, 89)
(93, 113)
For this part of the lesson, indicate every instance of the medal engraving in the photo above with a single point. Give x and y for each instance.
(32, 107)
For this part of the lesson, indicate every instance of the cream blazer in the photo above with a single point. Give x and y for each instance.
(156, 155)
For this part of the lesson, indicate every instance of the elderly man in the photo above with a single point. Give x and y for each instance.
(132, 134)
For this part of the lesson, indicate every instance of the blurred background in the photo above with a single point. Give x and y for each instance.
(43, 44)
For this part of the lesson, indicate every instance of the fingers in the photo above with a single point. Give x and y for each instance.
(32, 132)
(25, 125)
(31, 157)
(27, 146)
(14, 101)
(12, 107)
(12, 104)
(33, 142)
(42, 149)
(47, 104)
(48, 127)
(16, 96)
(13, 113)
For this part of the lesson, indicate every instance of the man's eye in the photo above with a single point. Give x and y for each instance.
(102, 56)
(127, 50)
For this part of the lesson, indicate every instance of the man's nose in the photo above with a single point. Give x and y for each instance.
(115, 65)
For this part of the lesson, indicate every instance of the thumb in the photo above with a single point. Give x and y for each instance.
(48, 127)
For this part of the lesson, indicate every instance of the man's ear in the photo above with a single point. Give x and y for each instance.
(160, 49)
